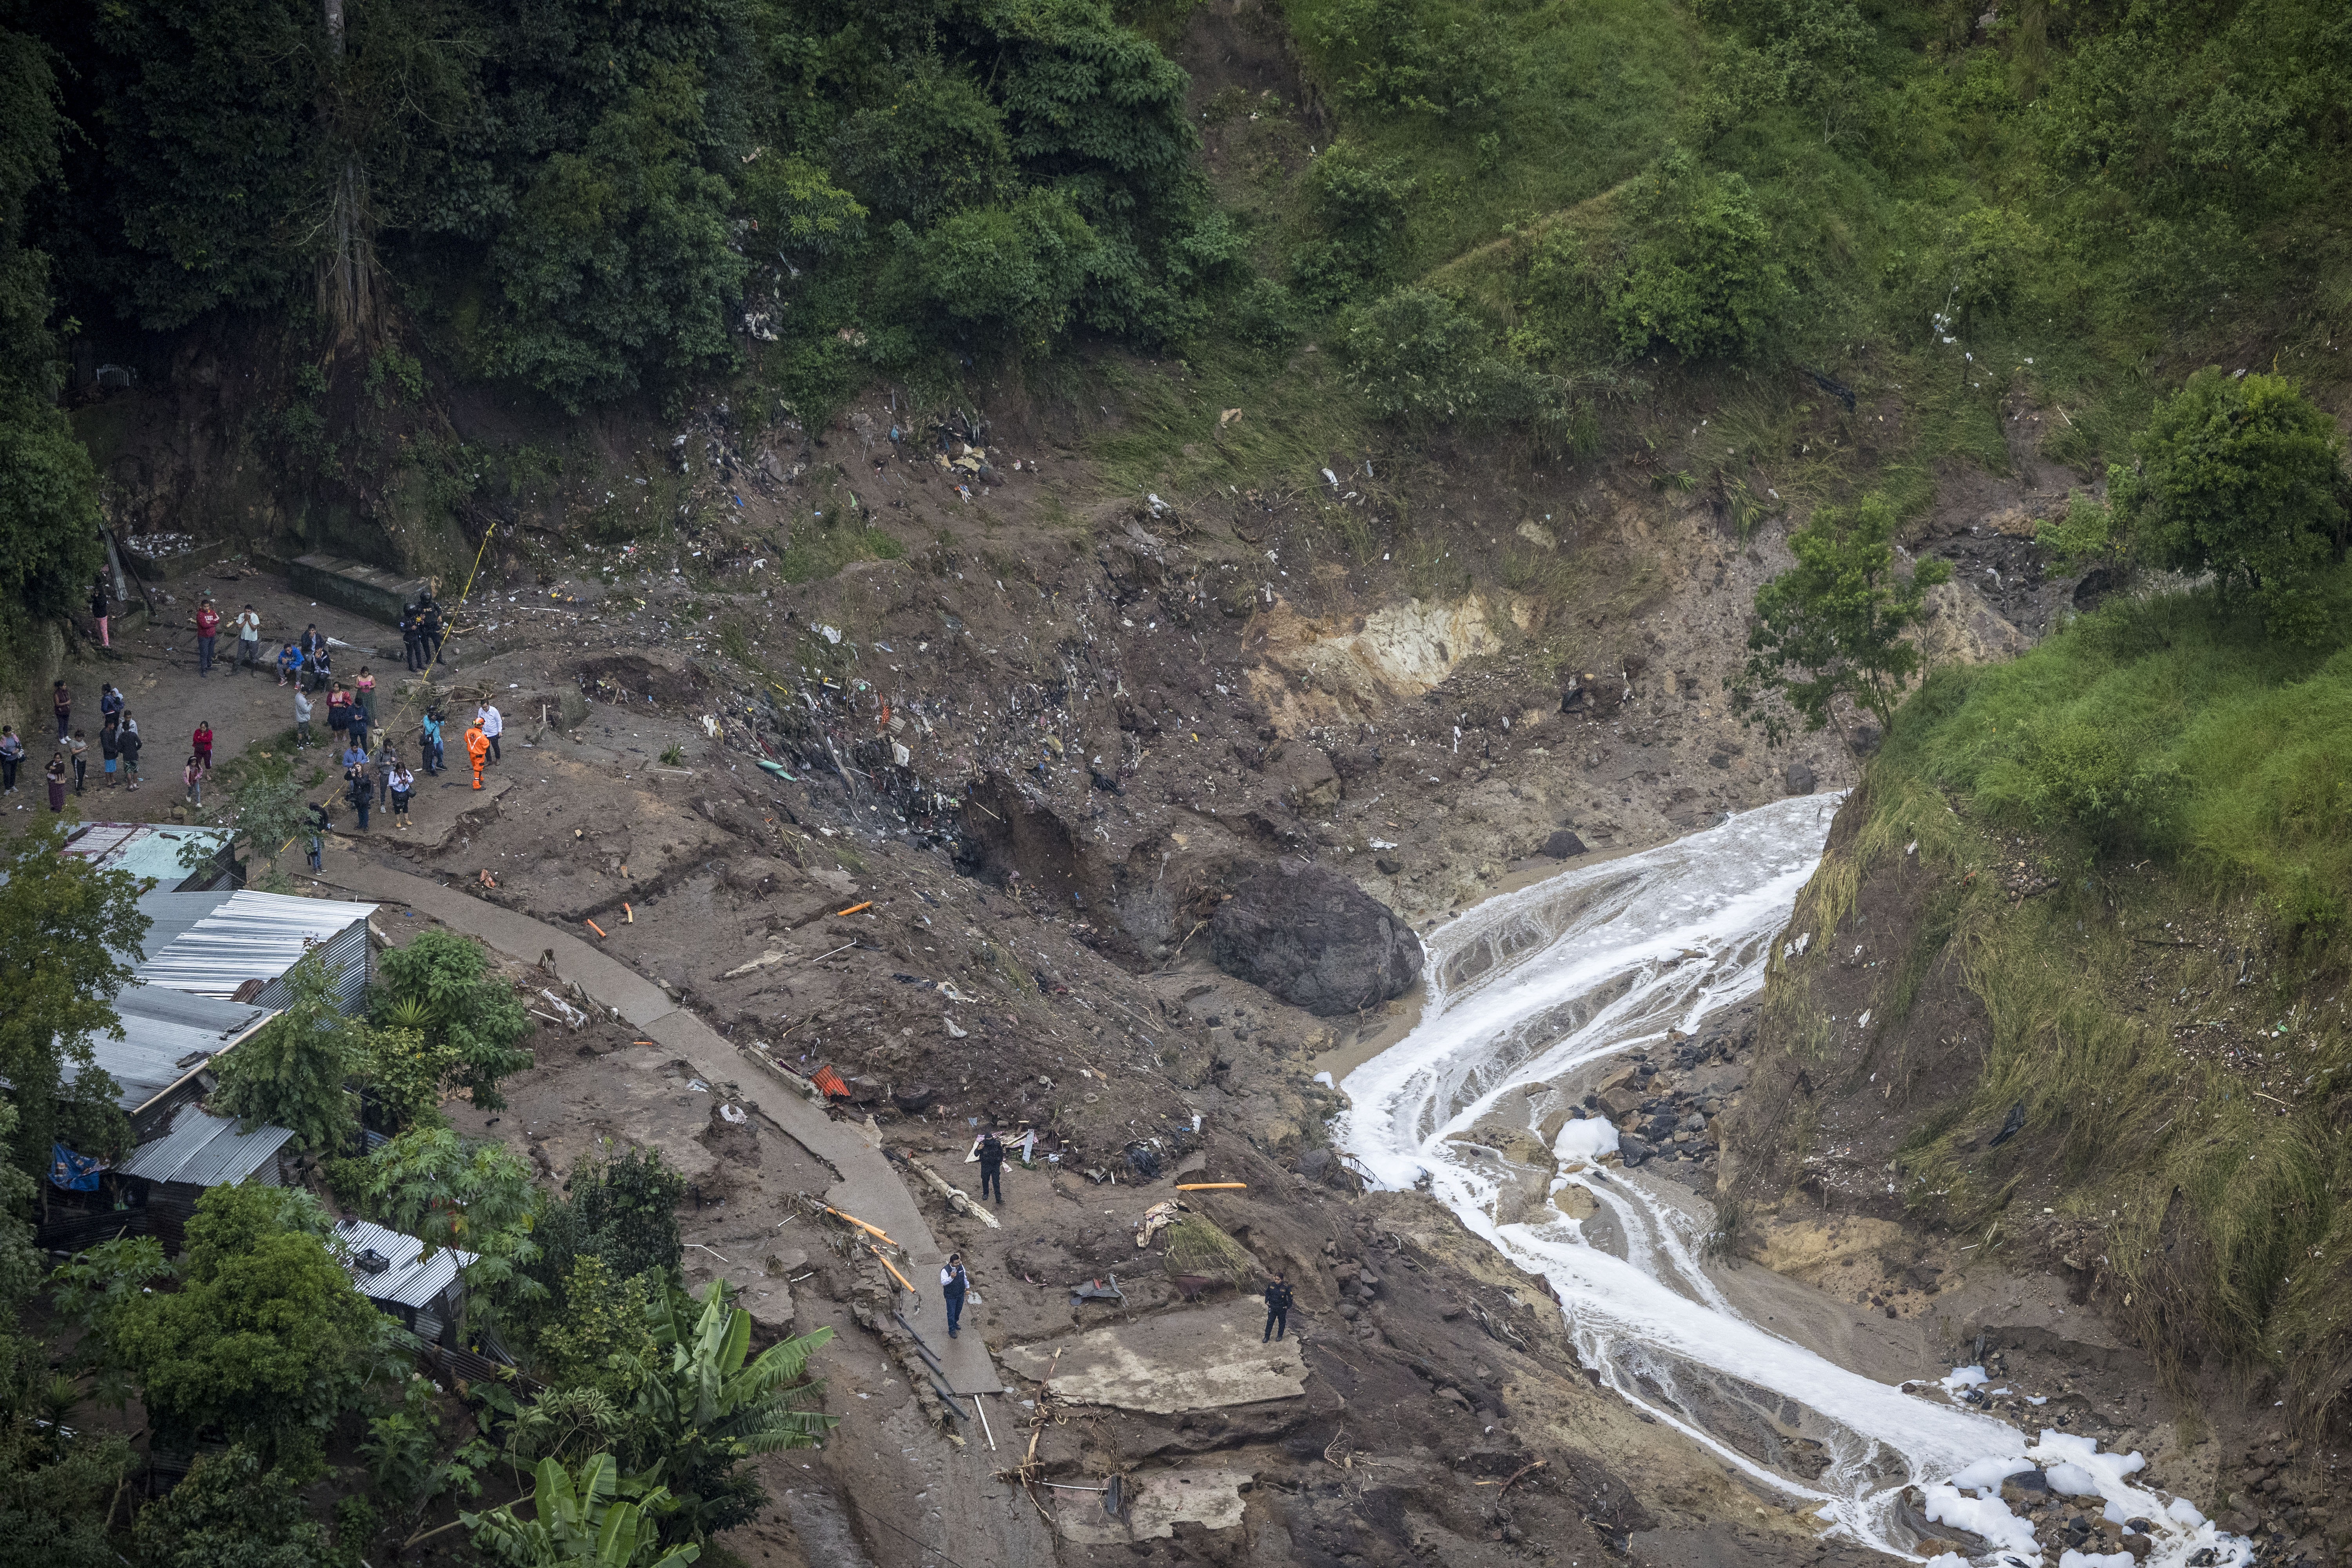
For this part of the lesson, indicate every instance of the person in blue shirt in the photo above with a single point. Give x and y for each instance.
(289, 665)
(431, 731)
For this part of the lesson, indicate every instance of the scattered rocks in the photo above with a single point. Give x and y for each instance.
(1563, 845)
(1798, 778)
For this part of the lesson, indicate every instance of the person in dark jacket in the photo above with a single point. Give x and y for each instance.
(954, 1284)
(127, 740)
(99, 611)
(360, 790)
(1278, 1300)
(991, 1167)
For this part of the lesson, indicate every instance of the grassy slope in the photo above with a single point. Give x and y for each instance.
(2169, 1006)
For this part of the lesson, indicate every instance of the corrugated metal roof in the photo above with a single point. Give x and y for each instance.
(162, 1028)
(170, 914)
(251, 936)
(207, 1151)
(145, 849)
(413, 1280)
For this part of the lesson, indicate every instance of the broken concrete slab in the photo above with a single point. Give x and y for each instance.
(1209, 1358)
(1157, 1502)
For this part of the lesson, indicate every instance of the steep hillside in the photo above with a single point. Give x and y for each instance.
(2068, 993)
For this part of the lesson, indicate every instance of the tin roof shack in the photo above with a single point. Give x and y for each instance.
(394, 1270)
(153, 852)
(200, 1151)
(164, 1060)
(241, 946)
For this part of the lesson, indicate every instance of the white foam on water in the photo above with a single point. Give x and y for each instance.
(1605, 959)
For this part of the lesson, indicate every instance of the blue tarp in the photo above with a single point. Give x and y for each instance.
(74, 1172)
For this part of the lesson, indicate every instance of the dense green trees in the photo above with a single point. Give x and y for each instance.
(468, 1023)
(68, 936)
(589, 200)
(265, 1339)
(48, 490)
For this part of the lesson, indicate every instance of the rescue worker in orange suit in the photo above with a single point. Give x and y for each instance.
(477, 746)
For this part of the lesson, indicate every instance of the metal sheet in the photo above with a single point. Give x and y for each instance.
(207, 1151)
(413, 1280)
(160, 1028)
(260, 936)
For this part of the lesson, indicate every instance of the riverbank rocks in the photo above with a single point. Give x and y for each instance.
(1563, 845)
(1313, 939)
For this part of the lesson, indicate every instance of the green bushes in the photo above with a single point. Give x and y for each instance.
(2171, 726)
(2242, 477)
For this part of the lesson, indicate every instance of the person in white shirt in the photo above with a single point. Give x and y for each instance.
(488, 717)
(248, 639)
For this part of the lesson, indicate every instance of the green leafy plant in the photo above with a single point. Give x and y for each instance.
(1702, 278)
(294, 1071)
(2242, 477)
(231, 1511)
(468, 1026)
(715, 1407)
(1838, 623)
(476, 1197)
(595, 1520)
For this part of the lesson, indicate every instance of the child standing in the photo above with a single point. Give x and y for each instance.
(81, 751)
(193, 776)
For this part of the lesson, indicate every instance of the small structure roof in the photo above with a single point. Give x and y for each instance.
(251, 936)
(149, 850)
(411, 1279)
(207, 1151)
(166, 1036)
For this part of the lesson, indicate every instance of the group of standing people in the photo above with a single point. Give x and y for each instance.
(422, 632)
(119, 739)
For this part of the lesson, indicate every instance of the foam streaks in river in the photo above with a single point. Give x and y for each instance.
(1534, 988)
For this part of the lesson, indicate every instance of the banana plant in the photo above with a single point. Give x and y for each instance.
(716, 1406)
(710, 1388)
(599, 1521)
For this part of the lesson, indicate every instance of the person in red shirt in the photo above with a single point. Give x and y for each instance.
(204, 744)
(208, 635)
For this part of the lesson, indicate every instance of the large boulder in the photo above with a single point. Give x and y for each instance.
(1313, 939)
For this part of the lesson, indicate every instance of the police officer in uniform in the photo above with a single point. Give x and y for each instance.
(1279, 1299)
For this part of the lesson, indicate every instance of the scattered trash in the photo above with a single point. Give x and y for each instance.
(1097, 1290)
(1157, 1218)
(734, 1115)
(591, 925)
(953, 1032)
